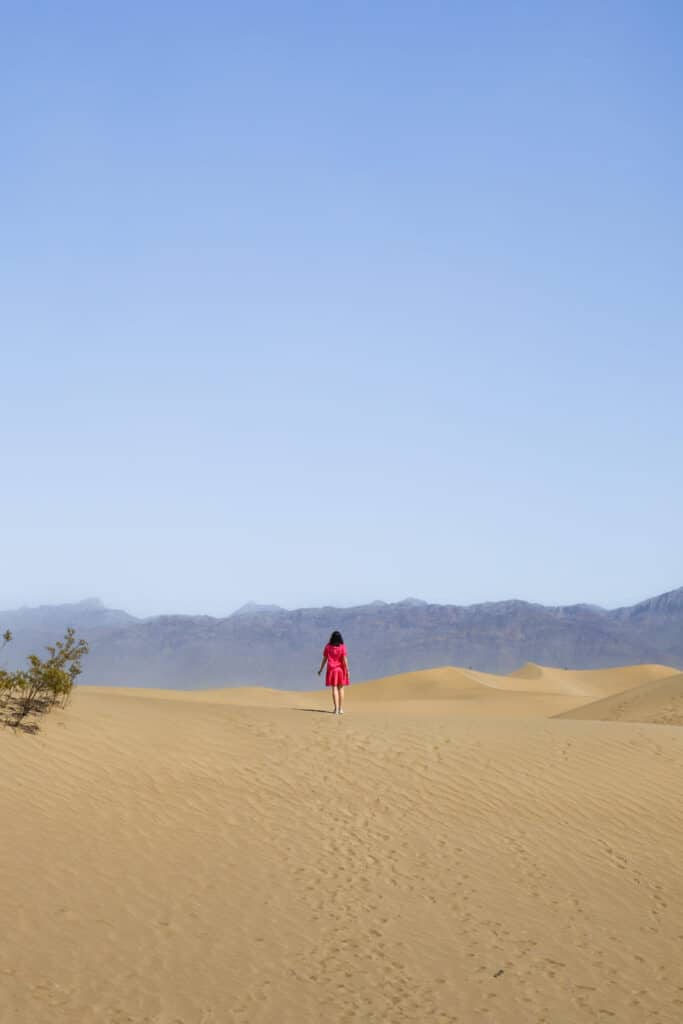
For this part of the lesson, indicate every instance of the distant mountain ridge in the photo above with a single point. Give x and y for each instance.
(271, 646)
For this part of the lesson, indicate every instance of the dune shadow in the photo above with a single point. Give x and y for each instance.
(316, 711)
(14, 717)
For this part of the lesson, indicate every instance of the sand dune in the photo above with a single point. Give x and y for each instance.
(452, 683)
(594, 683)
(436, 683)
(445, 683)
(659, 702)
(224, 857)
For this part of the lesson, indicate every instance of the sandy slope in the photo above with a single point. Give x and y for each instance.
(572, 686)
(659, 702)
(595, 683)
(217, 858)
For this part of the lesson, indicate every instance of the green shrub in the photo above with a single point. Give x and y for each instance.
(45, 682)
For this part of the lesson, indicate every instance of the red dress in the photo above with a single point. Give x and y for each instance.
(336, 673)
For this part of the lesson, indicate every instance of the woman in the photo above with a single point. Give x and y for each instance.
(337, 670)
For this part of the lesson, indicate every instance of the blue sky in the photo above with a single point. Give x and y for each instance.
(317, 304)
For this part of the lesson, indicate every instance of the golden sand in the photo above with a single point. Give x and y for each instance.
(659, 702)
(447, 851)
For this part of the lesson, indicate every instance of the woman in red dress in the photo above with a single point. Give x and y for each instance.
(337, 670)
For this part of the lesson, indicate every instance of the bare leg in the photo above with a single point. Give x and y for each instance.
(341, 696)
(334, 696)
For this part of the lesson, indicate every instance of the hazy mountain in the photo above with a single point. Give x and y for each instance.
(271, 646)
(33, 628)
(251, 608)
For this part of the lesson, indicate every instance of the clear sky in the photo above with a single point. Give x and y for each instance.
(320, 303)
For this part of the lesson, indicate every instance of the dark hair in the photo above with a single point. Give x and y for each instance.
(336, 640)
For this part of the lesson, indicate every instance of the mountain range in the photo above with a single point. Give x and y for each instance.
(270, 646)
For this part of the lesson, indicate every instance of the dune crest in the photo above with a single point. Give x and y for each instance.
(532, 691)
(449, 682)
(594, 683)
(434, 683)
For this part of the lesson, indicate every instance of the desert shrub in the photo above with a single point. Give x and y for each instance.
(6, 687)
(6, 678)
(44, 682)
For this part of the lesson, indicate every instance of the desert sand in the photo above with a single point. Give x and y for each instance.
(448, 851)
(659, 702)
